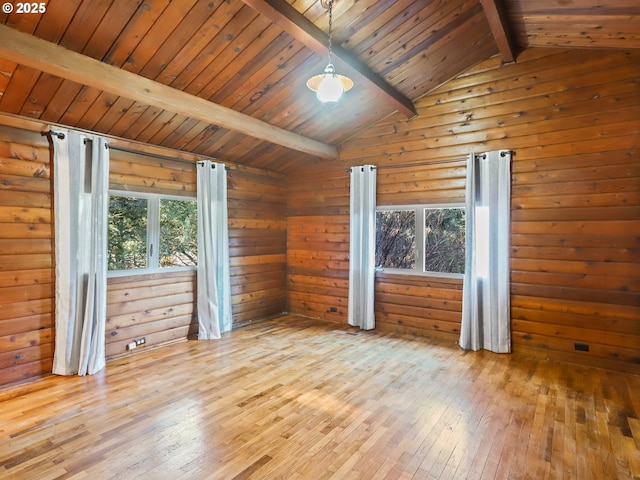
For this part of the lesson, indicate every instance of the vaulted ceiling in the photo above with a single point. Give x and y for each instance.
(227, 79)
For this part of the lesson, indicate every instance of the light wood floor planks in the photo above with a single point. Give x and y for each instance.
(294, 398)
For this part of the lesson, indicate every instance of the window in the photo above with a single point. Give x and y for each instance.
(127, 233)
(436, 247)
(396, 239)
(178, 233)
(151, 232)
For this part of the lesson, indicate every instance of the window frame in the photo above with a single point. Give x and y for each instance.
(419, 210)
(153, 233)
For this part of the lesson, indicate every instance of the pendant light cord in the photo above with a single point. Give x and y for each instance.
(330, 2)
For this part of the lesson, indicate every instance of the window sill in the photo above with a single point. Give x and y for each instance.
(147, 272)
(409, 273)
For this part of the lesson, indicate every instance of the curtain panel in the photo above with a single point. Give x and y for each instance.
(213, 282)
(362, 248)
(81, 204)
(486, 289)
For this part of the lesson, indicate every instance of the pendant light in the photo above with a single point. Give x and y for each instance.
(329, 86)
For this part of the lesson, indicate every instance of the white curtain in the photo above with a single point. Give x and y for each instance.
(362, 248)
(485, 298)
(214, 284)
(81, 203)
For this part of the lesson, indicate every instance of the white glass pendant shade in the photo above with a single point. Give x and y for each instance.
(329, 86)
(330, 89)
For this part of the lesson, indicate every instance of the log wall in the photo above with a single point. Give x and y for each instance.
(26, 256)
(572, 119)
(159, 307)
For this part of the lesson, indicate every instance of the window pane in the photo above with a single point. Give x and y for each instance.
(127, 233)
(444, 240)
(178, 233)
(396, 239)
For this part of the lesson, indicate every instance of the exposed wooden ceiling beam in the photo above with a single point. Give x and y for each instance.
(304, 30)
(497, 22)
(48, 57)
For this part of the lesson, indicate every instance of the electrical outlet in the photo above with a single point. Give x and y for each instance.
(581, 347)
(140, 341)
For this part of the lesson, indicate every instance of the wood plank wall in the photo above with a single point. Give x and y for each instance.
(318, 249)
(159, 307)
(257, 244)
(26, 256)
(572, 118)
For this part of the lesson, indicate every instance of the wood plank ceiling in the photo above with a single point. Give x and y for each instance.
(254, 57)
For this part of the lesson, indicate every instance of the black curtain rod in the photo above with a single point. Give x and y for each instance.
(419, 164)
(163, 157)
(60, 135)
(138, 152)
(433, 162)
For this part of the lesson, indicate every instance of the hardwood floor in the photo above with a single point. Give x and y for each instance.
(294, 398)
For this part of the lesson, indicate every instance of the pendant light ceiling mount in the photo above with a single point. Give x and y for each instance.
(329, 85)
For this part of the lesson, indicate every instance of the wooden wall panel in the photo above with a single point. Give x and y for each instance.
(428, 306)
(161, 307)
(158, 307)
(318, 243)
(572, 119)
(257, 242)
(318, 249)
(26, 256)
(406, 303)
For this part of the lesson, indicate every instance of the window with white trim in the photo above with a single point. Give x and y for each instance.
(150, 233)
(421, 239)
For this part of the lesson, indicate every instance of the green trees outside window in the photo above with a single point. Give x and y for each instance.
(178, 233)
(127, 233)
(151, 232)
